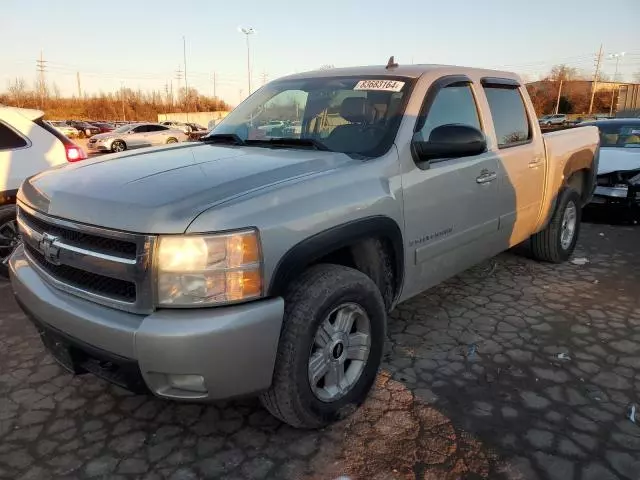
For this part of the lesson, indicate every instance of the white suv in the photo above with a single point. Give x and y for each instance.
(28, 145)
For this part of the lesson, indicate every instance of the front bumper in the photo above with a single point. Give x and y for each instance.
(626, 197)
(195, 354)
(99, 147)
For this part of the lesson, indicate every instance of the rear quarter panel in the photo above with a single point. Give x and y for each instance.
(567, 151)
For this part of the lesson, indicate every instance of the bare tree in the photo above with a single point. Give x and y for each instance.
(18, 91)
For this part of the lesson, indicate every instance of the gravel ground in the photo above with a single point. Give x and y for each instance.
(514, 370)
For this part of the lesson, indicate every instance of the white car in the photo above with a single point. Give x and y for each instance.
(183, 127)
(556, 119)
(28, 145)
(135, 135)
(64, 129)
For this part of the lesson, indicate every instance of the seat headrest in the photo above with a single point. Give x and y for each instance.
(357, 110)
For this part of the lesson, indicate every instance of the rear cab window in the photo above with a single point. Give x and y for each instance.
(510, 118)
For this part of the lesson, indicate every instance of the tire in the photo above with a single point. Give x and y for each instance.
(81, 134)
(118, 146)
(8, 236)
(172, 140)
(549, 245)
(310, 301)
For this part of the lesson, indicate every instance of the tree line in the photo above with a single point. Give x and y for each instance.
(575, 95)
(125, 104)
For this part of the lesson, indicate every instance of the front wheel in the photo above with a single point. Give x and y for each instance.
(9, 237)
(118, 146)
(172, 140)
(557, 242)
(330, 346)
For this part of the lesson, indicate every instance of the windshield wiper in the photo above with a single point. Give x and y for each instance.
(223, 138)
(290, 142)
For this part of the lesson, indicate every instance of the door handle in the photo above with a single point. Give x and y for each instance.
(486, 177)
(535, 163)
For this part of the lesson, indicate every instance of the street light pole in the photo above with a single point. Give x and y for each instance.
(248, 31)
(617, 56)
(186, 82)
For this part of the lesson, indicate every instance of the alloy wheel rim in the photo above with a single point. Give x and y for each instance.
(9, 239)
(568, 227)
(339, 352)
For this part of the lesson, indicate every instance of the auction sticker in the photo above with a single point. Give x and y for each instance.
(380, 85)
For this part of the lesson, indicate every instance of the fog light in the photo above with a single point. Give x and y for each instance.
(191, 383)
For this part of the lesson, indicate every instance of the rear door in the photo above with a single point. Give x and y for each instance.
(158, 134)
(451, 211)
(137, 138)
(522, 159)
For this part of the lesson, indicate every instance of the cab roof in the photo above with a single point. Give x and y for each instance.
(409, 71)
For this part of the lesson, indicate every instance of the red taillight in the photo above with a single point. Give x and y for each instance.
(75, 153)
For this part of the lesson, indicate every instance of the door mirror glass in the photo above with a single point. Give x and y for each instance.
(449, 141)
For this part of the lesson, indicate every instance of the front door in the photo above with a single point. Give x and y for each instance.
(451, 210)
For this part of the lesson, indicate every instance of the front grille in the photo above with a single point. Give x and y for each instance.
(91, 282)
(105, 266)
(109, 246)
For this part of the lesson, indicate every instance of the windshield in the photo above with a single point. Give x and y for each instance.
(122, 129)
(620, 135)
(344, 114)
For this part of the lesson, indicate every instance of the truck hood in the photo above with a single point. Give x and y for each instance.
(162, 190)
(618, 159)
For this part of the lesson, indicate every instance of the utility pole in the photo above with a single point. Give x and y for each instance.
(79, 88)
(186, 83)
(214, 85)
(41, 66)
(264, 76)
(559, 92)
(596, 76)
(179, 78)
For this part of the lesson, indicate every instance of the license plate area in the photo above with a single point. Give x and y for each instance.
(60, 350)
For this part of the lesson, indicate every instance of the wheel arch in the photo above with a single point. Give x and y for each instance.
(337, 245)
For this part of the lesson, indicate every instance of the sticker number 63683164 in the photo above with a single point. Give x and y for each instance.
(383, 85)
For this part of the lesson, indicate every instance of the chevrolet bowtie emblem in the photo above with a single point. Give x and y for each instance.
(49, 249)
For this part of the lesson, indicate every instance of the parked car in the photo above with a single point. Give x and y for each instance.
(269, 265)
(184, 127)
(556, 119)
(618, 181)
(28, 145)
(104, 127)
(85, 128)
(135, 135)
(64, 129)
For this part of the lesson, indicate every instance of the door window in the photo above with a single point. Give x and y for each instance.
(454, 104)
(9, 139)
(509, 116)
(155, 128)
(140, 129)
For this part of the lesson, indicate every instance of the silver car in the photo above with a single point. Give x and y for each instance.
(135, 135)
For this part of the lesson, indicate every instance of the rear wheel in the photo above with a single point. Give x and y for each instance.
(9, 237)
(330, 346)
(118, 146)
(557, 242)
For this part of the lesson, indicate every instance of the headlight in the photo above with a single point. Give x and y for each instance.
(209, 269)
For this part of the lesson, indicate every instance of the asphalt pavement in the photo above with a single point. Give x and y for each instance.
(514, 369)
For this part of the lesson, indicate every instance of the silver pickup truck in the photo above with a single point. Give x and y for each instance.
(264, 260)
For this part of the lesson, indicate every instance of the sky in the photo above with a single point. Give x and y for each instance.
(139, 44)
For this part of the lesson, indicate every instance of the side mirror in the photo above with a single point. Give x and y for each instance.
(449, 141)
